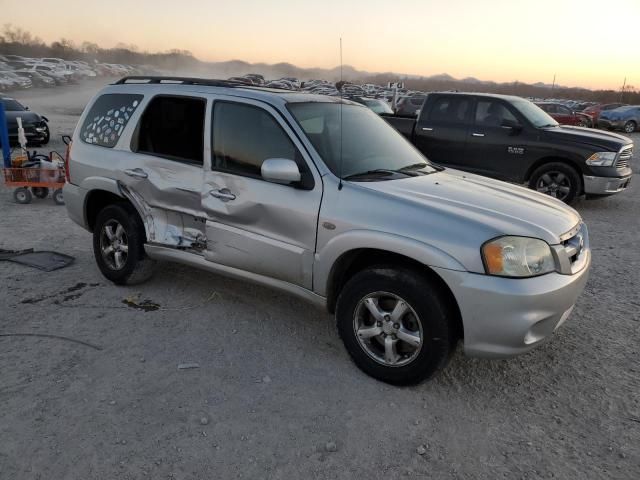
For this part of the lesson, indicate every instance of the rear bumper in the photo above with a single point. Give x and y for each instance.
(503, 317)
(605, 185)
(74, 198)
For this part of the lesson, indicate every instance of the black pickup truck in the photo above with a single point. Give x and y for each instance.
(510, 138)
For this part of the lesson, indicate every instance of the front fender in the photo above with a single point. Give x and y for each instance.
(359, 239)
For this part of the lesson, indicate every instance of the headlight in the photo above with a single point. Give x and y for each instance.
(517, 257)
(602, 159)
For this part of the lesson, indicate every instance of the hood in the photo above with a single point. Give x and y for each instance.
(490, 207)
(588, 136)
(28, 118)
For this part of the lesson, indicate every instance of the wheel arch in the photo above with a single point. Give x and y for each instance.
(556, 159)
(353, 261)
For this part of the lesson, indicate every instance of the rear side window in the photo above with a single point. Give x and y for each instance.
(245, 136)
(450, 110)
(173, 127)
(108, 117)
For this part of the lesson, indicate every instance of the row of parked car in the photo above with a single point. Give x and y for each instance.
(18, 72)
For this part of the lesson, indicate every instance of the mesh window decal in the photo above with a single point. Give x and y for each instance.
(107, 119)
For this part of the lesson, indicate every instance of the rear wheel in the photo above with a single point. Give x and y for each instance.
(558, 180)
(395, 324)
(22, 195)
(583, 122)
(40, 192)
(630, 126)
(118, 245)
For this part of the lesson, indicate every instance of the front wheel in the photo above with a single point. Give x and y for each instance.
(118, 245)
(22, 195)
(58, 196)
(630, 126)
(583, 122)
(395, 324)
(558, 180)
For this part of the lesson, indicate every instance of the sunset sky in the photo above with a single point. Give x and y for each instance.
(590, 43)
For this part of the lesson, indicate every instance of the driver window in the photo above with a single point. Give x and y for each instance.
(244, 136)
(490, 113)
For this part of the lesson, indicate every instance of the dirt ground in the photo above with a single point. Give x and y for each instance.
(275, 395)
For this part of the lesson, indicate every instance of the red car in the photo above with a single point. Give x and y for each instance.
(564, 115)
(595, 110)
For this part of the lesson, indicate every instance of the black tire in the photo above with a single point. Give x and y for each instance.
(40, 192)
(432, 313)
(583, 122)
(558, 180)
(136, 266)
(58, 196)
(630, 126)
(47, 134)
(22, 195)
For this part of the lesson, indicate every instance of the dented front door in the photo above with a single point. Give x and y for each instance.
(254, 225)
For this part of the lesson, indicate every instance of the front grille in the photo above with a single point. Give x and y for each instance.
(624, 157)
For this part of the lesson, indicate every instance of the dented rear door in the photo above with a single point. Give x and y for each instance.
(251, 224)
(162, 174)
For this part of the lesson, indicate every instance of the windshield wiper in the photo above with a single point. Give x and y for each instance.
(420, 166)
(376, 172)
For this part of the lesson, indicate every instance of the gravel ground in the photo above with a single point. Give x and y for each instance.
(275, 395)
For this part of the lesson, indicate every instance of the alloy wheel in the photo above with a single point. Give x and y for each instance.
(388, 329)
(554, 183)
(114, 245)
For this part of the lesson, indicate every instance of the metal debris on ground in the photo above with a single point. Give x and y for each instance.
(186, 366)
(45, 260)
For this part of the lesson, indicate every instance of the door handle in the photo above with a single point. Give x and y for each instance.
(478, 134)
(136, 172)
(223, 194)
(427, 129)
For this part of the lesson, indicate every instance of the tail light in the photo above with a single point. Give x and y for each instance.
(66, 162)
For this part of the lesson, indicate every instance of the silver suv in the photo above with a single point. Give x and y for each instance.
(319, 197)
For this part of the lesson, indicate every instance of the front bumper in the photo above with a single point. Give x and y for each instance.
(605, 185)
(610, 124)
(503, 317)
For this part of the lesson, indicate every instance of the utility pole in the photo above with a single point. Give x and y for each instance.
(624, 85)
(553, 85)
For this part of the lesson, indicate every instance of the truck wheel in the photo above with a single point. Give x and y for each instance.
(40, 192)
(22, 195)
(395, 324)
(630, 126)
(558, 180)
(118, 245)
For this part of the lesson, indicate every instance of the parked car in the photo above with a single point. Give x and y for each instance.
(565, 115)
(409, 106)
(36, 78)
(510, 138)
(411, 257)
(623, 118)
(376, 105)
(18, 82)
(59, 77)
(595, 110)
(36, 128)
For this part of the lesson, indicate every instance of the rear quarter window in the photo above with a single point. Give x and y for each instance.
(108, 117)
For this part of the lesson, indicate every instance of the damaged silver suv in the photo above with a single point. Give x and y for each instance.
(321, 198)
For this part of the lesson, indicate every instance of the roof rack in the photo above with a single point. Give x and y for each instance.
(154, 80)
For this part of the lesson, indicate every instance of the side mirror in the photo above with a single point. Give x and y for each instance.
(511, 125)
(280, 170)
(26, 108)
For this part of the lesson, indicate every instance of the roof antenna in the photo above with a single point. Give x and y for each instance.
(341, 99)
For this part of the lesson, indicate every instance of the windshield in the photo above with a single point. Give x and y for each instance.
(10, 105)
(368, 142)
(538, 117)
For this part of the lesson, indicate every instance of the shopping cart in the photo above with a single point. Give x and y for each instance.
(36, 177)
